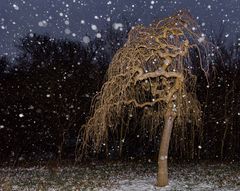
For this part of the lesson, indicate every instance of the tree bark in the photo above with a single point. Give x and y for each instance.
(162, 176)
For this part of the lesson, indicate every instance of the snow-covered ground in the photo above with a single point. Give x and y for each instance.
(122, 177)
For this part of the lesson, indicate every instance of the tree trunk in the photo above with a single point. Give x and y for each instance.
(162, 176)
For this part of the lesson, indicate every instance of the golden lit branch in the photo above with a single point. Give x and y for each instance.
(150, 71)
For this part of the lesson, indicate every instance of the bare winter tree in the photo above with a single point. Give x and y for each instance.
(151, 73)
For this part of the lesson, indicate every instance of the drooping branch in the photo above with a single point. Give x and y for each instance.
(153, 69)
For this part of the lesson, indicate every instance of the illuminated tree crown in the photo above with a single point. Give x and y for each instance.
(152, 72)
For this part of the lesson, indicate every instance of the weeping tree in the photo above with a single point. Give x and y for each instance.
(150, 78)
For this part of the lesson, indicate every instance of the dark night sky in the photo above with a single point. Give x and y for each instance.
(75, 18)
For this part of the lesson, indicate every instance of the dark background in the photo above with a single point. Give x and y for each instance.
(48, 78)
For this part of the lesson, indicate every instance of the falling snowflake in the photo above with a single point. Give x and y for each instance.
(94, 27)
(21, 115)
(86, 39)
(98, 35)
(67, 22)
(117, 26)
(209, 7)
(15, 7)
(67, 31)
(201, 39)
(42, 23)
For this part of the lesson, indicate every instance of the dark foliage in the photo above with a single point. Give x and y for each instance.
(46, 96)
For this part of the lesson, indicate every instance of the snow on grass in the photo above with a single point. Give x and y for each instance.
(123, 177)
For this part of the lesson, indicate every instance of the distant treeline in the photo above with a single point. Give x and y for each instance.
(46, 95)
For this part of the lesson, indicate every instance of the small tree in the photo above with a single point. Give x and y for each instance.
(151, 74)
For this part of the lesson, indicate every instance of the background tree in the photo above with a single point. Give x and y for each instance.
(50, 88)
(4, 63)
(150, 76)
(46, 94)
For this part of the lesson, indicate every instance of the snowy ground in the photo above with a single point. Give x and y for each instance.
(122, 177)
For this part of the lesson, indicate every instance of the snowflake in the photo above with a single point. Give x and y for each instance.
(201, 39)
(94, 27)
(67, 31)
(15, 7)
(42, 23)
(209, 7)
(98, 35)
(86, 39)
(21, 115)
(67, 22)
(117, 26)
